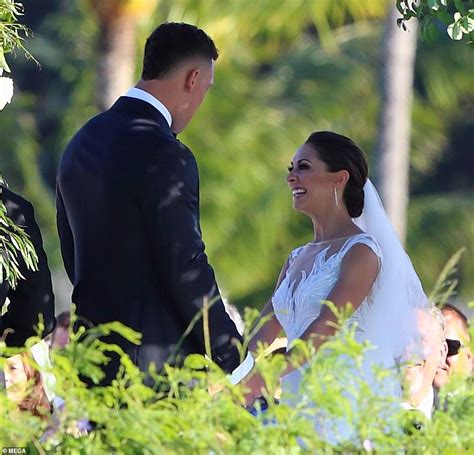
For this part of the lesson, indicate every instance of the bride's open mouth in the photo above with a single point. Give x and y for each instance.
(298, 192)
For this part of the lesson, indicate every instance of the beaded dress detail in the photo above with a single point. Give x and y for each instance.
(297, 301)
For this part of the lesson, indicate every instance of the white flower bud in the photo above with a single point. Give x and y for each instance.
(6, 91)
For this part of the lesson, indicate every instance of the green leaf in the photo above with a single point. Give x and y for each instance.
(400, 7)
(429, 30)
(467, 25)
(432, 33)
(433, 4)
(443, 16)
(196, 362)
(459, 4)
(454, 31)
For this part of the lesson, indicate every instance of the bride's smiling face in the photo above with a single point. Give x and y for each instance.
(311, 183)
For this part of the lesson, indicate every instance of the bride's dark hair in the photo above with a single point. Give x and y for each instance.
(341, 153)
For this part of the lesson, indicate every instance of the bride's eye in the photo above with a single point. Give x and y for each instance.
(303, 166)
(290, 168)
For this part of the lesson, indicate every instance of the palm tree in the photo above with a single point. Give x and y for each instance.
(118, 21)
(393, 148)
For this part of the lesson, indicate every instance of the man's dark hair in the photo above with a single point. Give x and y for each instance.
(170, 44)
(451, 308)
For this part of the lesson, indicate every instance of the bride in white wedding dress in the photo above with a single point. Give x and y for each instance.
(355, 257)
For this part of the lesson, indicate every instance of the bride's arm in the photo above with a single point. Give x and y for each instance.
(271, 328)
(359, 270)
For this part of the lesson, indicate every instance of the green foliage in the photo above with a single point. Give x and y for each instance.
(456, 15)
(64, 90)
(24, 174)
(15, 247)
(439, 226)
(12, 34)
(179, 415)
(446, 282)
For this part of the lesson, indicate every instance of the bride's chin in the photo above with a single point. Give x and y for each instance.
(297, 205)
(299, 208)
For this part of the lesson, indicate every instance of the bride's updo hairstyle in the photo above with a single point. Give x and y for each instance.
(341, 153)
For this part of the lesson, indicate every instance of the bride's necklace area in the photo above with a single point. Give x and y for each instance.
(335, 239)
(345, 230)
(319, 252)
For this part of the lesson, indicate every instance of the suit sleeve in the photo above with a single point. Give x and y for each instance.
(65, 236)
(34, 294)
(171, 214)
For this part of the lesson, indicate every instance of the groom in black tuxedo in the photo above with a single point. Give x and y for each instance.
(128, 211)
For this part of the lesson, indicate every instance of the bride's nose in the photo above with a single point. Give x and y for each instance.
(290, 178)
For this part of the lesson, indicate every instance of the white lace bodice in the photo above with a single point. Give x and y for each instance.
(297, 301)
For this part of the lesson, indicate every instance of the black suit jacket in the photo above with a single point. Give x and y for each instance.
(33, 295)
(128, 221)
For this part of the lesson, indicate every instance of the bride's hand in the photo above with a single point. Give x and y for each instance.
(254, 385)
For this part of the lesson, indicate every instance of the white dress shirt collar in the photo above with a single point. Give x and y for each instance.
(140, 94)
(426, 406)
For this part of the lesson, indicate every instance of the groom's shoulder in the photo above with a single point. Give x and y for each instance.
(164, 151)
(167, 146)
(123, 129)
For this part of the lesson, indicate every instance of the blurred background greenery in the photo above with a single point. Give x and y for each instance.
(286, 69)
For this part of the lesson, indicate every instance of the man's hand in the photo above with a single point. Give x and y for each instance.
(255, 385)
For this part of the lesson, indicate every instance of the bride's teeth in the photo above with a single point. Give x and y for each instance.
(298, 191)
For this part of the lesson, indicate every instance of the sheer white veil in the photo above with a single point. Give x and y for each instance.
(390, 322)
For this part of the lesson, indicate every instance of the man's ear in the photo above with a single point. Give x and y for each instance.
(191, 78)
(444, 354)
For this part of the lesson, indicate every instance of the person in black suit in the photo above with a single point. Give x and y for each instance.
(33, 294)
(128, 211)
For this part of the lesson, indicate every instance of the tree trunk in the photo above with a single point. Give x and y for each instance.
(393, 147)
(116, 59)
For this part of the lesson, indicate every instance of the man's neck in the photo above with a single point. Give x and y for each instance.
(159, 89)
(144, 95)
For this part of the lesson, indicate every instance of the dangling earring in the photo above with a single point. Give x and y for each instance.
(335, 197)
